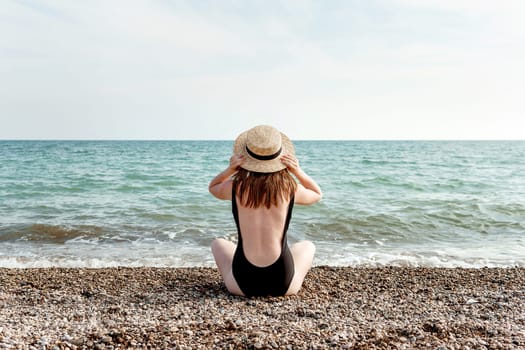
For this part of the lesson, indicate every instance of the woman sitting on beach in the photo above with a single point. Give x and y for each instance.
(262, 191)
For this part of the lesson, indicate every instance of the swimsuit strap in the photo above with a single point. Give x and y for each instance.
(235, 212)
(288, 219)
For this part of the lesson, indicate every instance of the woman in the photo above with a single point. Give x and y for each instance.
(262, 191)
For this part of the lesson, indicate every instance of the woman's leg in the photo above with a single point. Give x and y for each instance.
(303, 256)
(223, 251)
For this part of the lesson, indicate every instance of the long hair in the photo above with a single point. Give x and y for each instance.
(257, 189)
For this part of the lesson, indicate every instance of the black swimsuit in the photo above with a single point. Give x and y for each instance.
(261, 281)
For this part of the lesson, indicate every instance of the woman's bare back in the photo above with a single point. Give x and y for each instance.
(262, 232)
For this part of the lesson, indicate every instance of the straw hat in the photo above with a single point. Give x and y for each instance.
(262, 147)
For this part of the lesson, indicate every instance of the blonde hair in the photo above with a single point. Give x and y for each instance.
(257, 189)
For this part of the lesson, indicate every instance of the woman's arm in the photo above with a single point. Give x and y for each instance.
(221, 185)
(308, 191)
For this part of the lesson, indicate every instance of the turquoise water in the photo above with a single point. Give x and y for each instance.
(138, 203)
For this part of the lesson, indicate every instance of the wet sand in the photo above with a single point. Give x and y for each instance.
(188, 308)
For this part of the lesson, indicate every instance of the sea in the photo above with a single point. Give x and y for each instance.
(146, 203)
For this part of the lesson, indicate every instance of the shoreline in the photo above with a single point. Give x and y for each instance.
(338, 307)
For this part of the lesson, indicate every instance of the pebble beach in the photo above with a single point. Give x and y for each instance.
(188, 308)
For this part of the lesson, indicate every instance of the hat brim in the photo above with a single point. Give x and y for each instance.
(262, 166)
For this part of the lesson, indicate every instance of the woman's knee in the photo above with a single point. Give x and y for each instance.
(305, 247)
(309, 245)
(218, 244)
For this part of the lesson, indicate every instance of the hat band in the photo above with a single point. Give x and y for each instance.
(259, 157)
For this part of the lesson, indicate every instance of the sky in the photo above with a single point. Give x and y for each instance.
(317, 70)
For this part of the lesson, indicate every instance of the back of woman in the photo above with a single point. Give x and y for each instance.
(263, 200)
(260, 184)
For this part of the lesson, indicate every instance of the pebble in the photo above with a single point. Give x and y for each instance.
(107, 339)
(76, 341)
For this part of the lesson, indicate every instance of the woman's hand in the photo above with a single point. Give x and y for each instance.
(291, 162)
(308, 192)
(236, 161)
